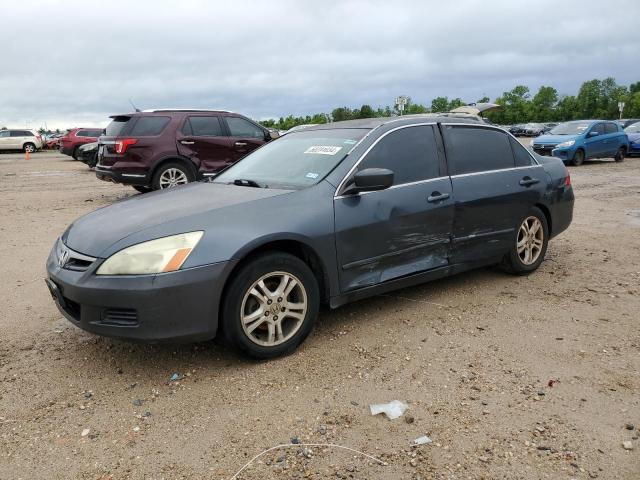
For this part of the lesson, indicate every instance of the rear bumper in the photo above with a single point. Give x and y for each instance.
(561, 211)
(179, 306)
(109, 175)
(634, 149)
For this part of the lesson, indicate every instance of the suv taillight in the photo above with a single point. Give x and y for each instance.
(124, 144)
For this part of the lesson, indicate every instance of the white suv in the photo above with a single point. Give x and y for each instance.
(24, 140)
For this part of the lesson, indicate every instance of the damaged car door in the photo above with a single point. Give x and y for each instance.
(403, 229)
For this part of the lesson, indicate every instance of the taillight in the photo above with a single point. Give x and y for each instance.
(567, 179)
(124, 144)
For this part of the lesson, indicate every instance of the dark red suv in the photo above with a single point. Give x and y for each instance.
(159, 149)
(76, 137)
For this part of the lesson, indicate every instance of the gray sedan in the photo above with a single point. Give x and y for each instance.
(330, 214)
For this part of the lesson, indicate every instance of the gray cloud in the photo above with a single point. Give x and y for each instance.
(76, 62)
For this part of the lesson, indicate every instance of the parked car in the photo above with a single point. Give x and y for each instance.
(548, 126)
(71, 141)
(88, 153)
(625, 122)
(581, 140)
(20, 139)
(533, 129)
(158, 149)
(633, 134)
(517, 130)
(330, 214)
(52, 142)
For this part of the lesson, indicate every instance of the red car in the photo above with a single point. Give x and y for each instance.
(76, 137)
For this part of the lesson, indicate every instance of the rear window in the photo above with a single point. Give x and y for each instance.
(203, 126)
(116, 126)
(473, 150)
(520, 154)
(146, 126)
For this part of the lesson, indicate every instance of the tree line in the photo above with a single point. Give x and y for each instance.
(595, 99)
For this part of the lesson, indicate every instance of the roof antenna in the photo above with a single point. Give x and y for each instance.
(134, 107)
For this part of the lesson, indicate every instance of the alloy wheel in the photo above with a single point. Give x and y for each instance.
(29, 148)
(172, 177)
(530, 240)
(273, 309)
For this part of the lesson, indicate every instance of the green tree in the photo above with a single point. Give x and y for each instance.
(455, 103)
(567, 108)
(484, 99)
(365, 112)
(543, 105)
(440, 104)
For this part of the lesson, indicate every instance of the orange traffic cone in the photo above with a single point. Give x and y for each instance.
(27, 155)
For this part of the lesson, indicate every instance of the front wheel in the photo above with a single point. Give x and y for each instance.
(620, 154)
(529, 244)
(270, 306)
(171, 175)
(29, 148)
(578, 158)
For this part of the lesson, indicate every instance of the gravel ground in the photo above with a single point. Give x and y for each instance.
(511, 377)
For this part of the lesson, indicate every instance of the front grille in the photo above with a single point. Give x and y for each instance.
(72, 260)
(119, 317)
(543, 150)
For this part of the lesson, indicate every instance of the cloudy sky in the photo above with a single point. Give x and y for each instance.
(67, 63)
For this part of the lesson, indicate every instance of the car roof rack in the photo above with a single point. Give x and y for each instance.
(153, 110)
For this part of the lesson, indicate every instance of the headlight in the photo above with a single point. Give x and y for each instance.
(568, 143)
(156, 256)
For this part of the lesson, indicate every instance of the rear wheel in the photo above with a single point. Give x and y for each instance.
(270, 306)
(578, 158)
(29, 148)
(142, 188)
(171, 175)
(620, 154)
(529, 244)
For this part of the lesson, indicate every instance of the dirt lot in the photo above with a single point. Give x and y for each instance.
(472, 355)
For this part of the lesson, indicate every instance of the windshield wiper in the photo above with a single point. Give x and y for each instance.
(244, 182)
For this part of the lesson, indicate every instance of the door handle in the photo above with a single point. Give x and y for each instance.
(527, 181)
(437, 196)
(240, 144)
(187, 142)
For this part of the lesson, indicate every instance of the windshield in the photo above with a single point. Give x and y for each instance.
(297, 160)
(570, 128)
(633, 128)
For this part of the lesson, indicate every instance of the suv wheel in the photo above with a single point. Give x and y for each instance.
(171, 175)
(270, 306)
(529, 245)
(29, 148)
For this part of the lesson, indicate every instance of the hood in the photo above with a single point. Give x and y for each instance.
(633, 137)
(476, 108)
(182, 207)
(554, 139)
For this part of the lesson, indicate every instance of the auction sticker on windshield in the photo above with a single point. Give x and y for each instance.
(323, 149)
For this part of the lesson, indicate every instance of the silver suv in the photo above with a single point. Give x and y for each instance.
(24, 140)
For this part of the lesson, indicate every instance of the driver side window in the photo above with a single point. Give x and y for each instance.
(410, 153)
(598, 128)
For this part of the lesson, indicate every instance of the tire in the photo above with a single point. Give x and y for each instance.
(521, 261)
(620, 154)
(142, 188)
(29, 148)
(92, 161)
(179, 172)
(578, 158)
(258, 337)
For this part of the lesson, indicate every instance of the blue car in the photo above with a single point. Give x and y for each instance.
(580, 140)
(633, 133)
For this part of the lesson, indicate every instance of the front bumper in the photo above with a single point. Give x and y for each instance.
(544, 150)
(177, 306)
(565, 154)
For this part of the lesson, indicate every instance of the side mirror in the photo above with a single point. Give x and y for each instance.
(370, 180)
(593, 133)
(273, 134)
